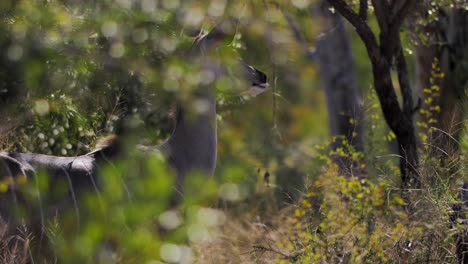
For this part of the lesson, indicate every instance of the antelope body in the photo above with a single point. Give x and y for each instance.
(191, 147)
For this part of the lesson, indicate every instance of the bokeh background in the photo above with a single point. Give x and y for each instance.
(72, 72)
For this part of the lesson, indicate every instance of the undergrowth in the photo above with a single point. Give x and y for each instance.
(344, 219)
(341, 218)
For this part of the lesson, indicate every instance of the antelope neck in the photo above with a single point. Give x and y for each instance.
(192, 145)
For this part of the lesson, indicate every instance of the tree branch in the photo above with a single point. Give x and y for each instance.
(390, 24)
(299, 37)
(294, 28)
(403, 80)
(381, 9)
(399, 9)
(363, 30)
(363, 9)
(399, 15)
(391, 38)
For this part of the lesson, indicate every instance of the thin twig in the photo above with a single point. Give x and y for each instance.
(273, 62)
(292, 257)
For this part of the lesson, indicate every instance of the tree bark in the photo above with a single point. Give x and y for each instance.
(382, 54)
(337, 72)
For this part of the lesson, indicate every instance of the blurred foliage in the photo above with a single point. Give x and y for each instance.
(74, 71)
(63, 131)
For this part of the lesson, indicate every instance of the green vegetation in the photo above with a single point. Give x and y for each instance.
(73, 72)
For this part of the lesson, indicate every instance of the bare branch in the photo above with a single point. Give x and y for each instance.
(389, 41)
(300, 37)
(418, 106)
(381, 9)
(295, 29)
(399, 14)
(403, 80)
(363, 9)
(363, 30)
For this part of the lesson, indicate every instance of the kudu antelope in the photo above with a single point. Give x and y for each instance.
(191, 146)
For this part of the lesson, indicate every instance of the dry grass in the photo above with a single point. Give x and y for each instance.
(14, 248)
(246, 238)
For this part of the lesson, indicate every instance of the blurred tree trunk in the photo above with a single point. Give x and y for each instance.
(337, 71)
(449, 51)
